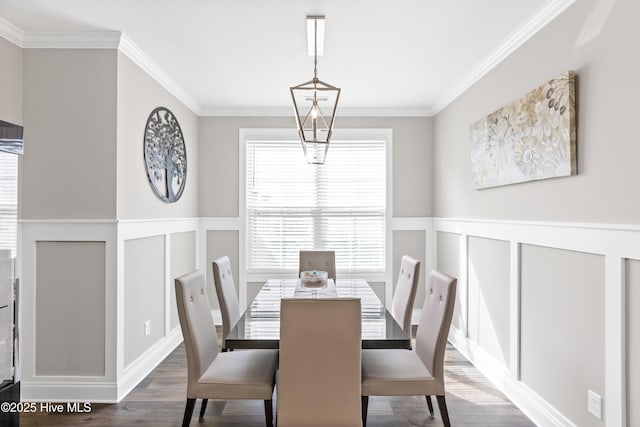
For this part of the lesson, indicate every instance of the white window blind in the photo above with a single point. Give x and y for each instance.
(291, 205)
(8, 201)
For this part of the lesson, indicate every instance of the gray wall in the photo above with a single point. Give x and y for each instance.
(182, 260)
(562, 341)
(598, 47)
(562, 299)
(489, 278)
(138, 95)
(70, 305)
(412, 180)
(221, 243)
(69, 162)
(412, 156)
(143, 294)
(410, 243)
(450, 260)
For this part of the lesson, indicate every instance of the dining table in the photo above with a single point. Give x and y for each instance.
(259, 325)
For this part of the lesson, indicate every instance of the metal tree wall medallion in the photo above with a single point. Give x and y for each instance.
(165, 155)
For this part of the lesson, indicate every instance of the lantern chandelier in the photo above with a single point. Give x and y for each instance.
(315, 101)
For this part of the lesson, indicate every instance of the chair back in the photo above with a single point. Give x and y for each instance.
(405, 293)
(226, 292)
(318, 260)
(196, 322)
(319, 379)
(433, 328)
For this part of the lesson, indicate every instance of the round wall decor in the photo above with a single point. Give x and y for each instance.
(165, 155)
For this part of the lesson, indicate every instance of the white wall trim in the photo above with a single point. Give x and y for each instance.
(341, 112)
(68, 390)
(72, 40)
(147, 362)
(136, 229)
(135, 54)
(117, 379)
(536, 408)
(131, 229)
(31, 232)
(543, 16)
(410, 223)
(11, 33)
(220, 223)
(99, 40)
(616, 243)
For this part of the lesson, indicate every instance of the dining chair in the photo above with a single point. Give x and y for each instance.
(226, 292)
(396, 372)
(318, 260)
(319, 378)
(405, 292)
(245, 375)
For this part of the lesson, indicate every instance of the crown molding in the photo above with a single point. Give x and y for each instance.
(11, 33)
(72, 40)
(135, 54)
(543, 16)
(341, 112)
(118, 40)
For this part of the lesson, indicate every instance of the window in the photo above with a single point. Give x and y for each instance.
(291, 205)
(8, 201)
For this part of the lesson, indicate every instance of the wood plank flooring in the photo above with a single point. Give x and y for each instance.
(159, 401)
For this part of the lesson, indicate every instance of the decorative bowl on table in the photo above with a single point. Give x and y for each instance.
(314, 279)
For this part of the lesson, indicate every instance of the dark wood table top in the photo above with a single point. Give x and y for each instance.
(259, 326)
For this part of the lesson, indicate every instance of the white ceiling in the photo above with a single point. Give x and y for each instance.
(408, 57)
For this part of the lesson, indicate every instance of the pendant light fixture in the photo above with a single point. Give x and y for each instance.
(315, 101)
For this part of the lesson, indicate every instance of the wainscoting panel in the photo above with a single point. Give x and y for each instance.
(182, 260)
(567, 293)
(489, 291)
(144, 295)
(562, 329)
(130, 267)
(70, 307)
(451, 259)
(632, 273)
(55, 257)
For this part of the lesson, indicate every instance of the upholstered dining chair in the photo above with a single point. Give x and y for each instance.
(320, 363)
(233, 375)
(396, 372)
(226, 292)
(405, 293)
(318, 260)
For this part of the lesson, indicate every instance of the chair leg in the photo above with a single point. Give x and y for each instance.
(203, 407)
(442, 405)
(365, 407)
(429, 405)
(268, 412)
(188, 412)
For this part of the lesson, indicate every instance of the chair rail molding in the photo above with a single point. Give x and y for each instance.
(617, 243)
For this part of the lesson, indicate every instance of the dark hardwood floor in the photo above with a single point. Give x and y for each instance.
(159, 400)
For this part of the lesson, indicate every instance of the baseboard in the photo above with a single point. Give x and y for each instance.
(143, 365)
(72, 389)
(529, 402)
(68, 391)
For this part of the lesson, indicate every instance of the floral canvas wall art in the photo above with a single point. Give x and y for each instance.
(530, 139)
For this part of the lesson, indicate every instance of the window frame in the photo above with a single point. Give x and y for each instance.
(279, 134)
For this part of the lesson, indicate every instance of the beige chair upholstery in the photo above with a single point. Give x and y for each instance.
(212, 375)
(405, 293)
(226, 292)
(320, 353)
(396, 372)
(318, 260)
